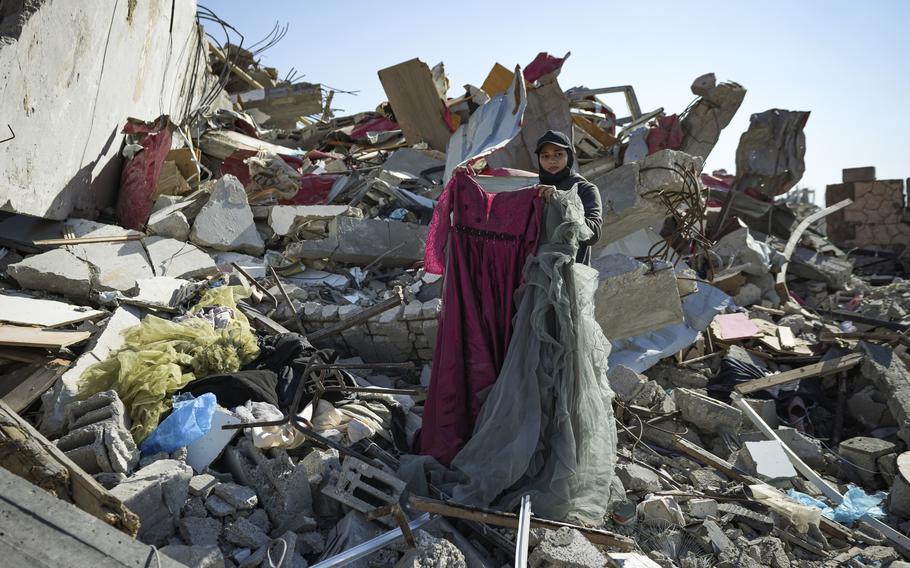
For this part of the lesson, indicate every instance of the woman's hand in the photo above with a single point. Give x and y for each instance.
(546, 191)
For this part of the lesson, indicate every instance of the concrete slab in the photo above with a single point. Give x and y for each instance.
(361, 241)
(58, 271)
(226, 221)
(177, 259)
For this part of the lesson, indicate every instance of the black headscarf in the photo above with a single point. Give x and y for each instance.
(561, 140)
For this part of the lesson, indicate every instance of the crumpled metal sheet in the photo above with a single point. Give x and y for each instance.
(491, 127)
(140, 174)
(770, 155)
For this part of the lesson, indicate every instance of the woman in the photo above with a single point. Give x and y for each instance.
(555, 160)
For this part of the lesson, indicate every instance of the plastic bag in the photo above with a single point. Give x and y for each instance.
(856, 504)
(160, 357)
(190, 420)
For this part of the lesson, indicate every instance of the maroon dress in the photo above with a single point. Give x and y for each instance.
(489, 237)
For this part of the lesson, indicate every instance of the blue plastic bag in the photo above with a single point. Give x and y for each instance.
(856, 503)
(190, 419)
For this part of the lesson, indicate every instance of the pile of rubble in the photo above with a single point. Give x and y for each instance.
(228, 362)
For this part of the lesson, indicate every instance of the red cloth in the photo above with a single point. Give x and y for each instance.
(314, 190)
(377, 124)
(667, 134)
(489, 237)
(543, 64)
(139, 176)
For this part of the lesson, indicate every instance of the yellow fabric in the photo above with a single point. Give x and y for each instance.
(160, 357)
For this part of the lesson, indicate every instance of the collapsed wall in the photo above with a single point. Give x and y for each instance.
(70, 72)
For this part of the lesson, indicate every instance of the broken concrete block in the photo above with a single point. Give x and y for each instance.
(156, 494)
(869, 407)
(638, 478)
(226, 221)
(706, 413)
(173, 226)
(218, 507)
(852, 175)
(861, 454)
(632, 298)
(625, 211)
(245, 534)
(58, 271)
(431, 551)
(702, 508)
(361, 486)
(889, 374)
(808, 449)
(661, 508)
(200, 531)
(284, 219)
(669, 376)
(704, 122)
(115, 266)
(194, 507)
(238, 496)
(899, 495)
(566, 547)
(361, 241)
(98, 437)
(767, 460)
(178, 259)
(158, 291)
(195, 556)
(625, 382)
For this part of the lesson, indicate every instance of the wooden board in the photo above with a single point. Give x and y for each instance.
(19, 336)
(416, 103)
(44, 313)
(24, 386)
(498, 80)
(820, 369)
(602, 136)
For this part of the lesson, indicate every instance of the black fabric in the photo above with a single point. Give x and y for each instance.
(235, 389)
(287, 355)
(733, 371)
(564, 180)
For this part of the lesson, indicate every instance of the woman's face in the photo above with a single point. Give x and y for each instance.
(553, 158)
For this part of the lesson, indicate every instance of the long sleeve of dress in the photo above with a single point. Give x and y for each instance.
(434, 255)
(590, 199)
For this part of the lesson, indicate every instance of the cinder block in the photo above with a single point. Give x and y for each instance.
(849, 175)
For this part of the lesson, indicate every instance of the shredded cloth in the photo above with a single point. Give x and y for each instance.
(159, 357)
(546, 427)
(488, 238)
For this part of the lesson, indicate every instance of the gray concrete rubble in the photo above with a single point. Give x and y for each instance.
(751, 336)
(226, 221)
(98, 435)
(362, 241)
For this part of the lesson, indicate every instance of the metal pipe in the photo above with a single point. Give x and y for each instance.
(524, 528)
(255, 283)
(371, 546)
(287, 298)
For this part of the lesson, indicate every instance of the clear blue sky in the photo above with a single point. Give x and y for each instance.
(847, 62)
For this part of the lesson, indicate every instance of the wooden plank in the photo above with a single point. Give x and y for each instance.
(27, 453)
(22, 355)
(866, 320)
(21, 336)
(731, 327)
(502, 519)
(498, 80)
(820, 369)
(781, 281)
(602, 136)
(24, 310)
(786, 338)
(416, 103)
(23, 387)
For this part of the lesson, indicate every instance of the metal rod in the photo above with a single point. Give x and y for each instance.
(524, 528)
(371, 546)
(287, 298)
(255, 283)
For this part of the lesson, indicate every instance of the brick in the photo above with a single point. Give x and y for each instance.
(849, 175)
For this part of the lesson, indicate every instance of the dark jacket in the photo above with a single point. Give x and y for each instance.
(590, 198)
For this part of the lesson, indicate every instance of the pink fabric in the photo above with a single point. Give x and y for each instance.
(667, 134)
(377, 124)
(543, 64)
(139, 176)
(488, 238)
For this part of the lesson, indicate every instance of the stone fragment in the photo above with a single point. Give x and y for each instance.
(226, 221)
(218, 507)
(431, 551)
(899, 495)
(194, 507)
(115, 266)
(202, 485)
(767, 460)
(632, 298)
(237, 496)
(178, 259)
(890, 375)
(284, 219)
(173, 226)
(706, 413)
(200, 531)
(245, 534)
(861, 454)
(361, 241)
(638, 478)
(566, 548)
(702, 508)
(98, 435)
(58, 271)
(625, 382)
(195, 556)
(672, 376)
(156, 494)
(261, 519)
(661, 508)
